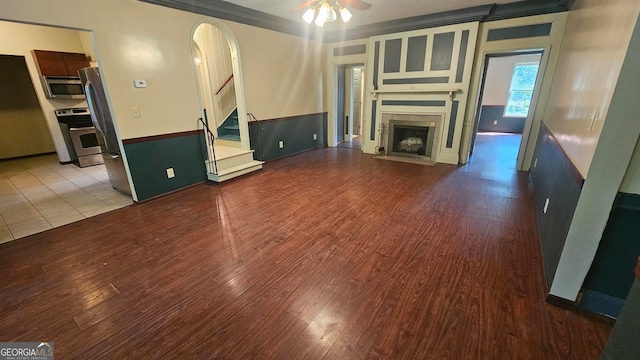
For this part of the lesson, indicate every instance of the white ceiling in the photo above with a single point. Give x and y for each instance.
(382, 10)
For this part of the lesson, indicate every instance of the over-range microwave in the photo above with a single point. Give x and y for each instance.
(63, 87)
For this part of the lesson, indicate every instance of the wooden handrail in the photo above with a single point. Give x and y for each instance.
(224, 84)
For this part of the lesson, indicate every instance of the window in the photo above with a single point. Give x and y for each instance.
(521, 90)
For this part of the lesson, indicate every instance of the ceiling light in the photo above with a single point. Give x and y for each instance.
(325, 11)
(323, 14)
(309, 15)
(345, 14)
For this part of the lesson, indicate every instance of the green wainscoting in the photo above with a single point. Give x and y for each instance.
(553, 176)
(295, 132)
(150, 157)
(611, 275)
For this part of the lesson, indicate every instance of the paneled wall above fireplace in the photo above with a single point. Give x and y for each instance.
(421, 72)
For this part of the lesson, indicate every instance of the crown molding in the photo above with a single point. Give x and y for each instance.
(483, 13)
(240, 14)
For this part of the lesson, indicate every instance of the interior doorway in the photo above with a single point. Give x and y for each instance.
(506, 103)
(350, 93)
(217, 67)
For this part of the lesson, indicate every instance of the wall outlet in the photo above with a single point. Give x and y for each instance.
(315, 136)
(546, 206)
(170, 173)
(135, 111)
(281, 144)
(495, 122)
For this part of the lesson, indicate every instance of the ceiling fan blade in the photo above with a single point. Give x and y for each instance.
(356, 4)
(304, 5)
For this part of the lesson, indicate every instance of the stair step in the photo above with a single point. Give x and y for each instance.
(230, 173)
(232, 127)
(230, 137)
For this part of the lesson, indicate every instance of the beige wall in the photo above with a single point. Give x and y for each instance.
(24, 128)
(498, 80)
(283, 73)
(136, 40)
(20, 39)
(594, 45)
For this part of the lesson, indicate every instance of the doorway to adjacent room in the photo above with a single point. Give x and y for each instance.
(350, 91)
(507, 97)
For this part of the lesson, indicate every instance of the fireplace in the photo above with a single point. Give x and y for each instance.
(412, 136)
(410, 140)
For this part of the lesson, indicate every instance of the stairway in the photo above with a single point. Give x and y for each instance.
(229, 129)
(232, 162)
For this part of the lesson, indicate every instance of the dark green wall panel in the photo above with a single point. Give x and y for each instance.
(464, 42)
(611, 272)
(149, 160)
(519, 32)
(553, 178)
(439, 103)
(350, 50)
(442, 52)
(296, 133)
(376, 64)
(392, 51)
(489, 113)
(410, 81)
(452, 123)
(416, 53)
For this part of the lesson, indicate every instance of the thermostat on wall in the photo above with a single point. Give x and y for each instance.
(140, 83)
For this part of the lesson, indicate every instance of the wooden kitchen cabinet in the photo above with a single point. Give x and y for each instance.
(74, 62)
(56, 63)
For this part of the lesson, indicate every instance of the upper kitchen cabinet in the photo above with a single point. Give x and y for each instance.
(55, 63)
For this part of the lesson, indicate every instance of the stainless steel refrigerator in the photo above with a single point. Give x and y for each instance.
(103, 122)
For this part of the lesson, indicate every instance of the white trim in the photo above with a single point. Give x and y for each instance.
(549, 45)
(332, 83)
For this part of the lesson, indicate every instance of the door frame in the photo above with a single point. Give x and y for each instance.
(549, 43)
(334, 59)
(526, 131)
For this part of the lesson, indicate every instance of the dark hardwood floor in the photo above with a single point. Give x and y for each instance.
(355, 143)
(329, 254)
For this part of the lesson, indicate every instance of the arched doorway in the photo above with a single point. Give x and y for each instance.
(220, 83)
(217, 62)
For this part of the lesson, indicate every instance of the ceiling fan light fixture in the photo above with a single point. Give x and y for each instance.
(345, 14)
(309, 15)
(324, 11)
(323, 14)
(332, 15)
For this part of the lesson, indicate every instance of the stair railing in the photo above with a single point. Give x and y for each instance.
(253, 117)
(257, 138)
(224, 84)
(211, 138)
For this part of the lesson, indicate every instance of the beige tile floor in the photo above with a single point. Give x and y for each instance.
(38, 193)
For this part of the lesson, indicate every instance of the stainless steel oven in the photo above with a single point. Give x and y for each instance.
(80, 136)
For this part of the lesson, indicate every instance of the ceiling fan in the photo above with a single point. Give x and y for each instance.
(324, 11)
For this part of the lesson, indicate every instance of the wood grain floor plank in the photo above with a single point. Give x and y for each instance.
(329, 254)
